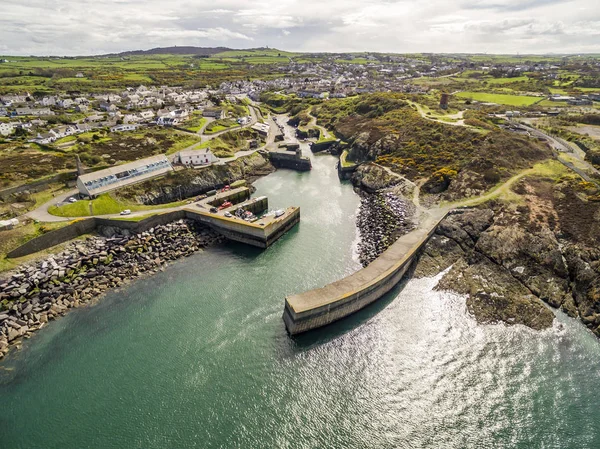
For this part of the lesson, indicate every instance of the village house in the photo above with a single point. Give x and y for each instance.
(31, 111)
(261, 128)
(131, 118)
(192, 158)
(217, 113)
(146, 115)
(6, 129)
(108, 107)
(65, 103)
(45, 138)
(124, 127)
(48, 101)
(167, 121)
(94, 118)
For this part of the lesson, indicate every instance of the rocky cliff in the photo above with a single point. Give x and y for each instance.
(511, 258)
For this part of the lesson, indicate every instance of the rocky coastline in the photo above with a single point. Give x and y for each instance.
(37, 293)
(382, 218)
(517, 264)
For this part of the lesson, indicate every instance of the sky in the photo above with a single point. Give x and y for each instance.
(88, 27)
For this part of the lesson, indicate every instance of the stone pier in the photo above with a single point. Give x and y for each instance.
(322, 306)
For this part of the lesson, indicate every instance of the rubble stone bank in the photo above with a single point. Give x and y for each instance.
(37, 293)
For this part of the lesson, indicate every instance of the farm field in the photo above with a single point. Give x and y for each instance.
(506, 99)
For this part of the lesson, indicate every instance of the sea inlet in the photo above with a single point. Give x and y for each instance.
(198, 356)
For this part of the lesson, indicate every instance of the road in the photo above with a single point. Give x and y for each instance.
(578, 163)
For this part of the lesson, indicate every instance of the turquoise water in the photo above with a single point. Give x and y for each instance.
(197, 356)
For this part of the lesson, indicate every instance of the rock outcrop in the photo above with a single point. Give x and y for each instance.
(511, 258)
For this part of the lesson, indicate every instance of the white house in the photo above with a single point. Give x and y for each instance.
(167, 121)
(192, 158)
(48, 101)
(261, 128)
(131, 118)
(6, 129)
(45, 138)
(65, 103)
(124, 127)
(147, 115)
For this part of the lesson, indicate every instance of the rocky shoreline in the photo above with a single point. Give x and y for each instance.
(37, 293)
(382, 218)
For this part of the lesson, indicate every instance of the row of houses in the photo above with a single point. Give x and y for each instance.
(61, 131)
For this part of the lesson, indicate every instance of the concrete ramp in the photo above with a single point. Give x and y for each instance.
(322, 306)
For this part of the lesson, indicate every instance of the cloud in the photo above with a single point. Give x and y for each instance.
(73, 27)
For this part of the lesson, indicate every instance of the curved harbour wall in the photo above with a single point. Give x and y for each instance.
(322, 306)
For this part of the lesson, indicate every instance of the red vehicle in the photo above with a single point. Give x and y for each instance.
(226, 188)
(225, 205)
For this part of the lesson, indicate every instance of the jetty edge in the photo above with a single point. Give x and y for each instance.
(322, 306)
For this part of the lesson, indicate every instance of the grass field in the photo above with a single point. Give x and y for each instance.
(103, 205)
(13, 238)
(220, 125)
(195, 124)
(509, 100)
(506, 80)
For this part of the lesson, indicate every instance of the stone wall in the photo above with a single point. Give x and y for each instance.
(55, 237)
(88, 225)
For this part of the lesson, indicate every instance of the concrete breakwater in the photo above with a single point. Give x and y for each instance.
(322, 306)
(37, 293)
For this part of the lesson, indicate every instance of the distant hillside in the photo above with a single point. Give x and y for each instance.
(185, 50)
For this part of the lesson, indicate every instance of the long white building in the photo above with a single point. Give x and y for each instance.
(102, 181)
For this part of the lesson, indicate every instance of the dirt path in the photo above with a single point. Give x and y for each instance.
(457, 116)
(313, 124)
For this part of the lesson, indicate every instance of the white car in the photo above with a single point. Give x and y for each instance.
(72, 200)
(279, 213)
(126, 212)
(228, 215)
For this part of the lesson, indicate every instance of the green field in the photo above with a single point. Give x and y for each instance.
(506, 80)
(509, 100)
(195, 123)
(105, 204)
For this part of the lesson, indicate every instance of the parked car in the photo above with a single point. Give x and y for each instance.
(228, 215)
(214, 210)
(126, 212)
(72, 200)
